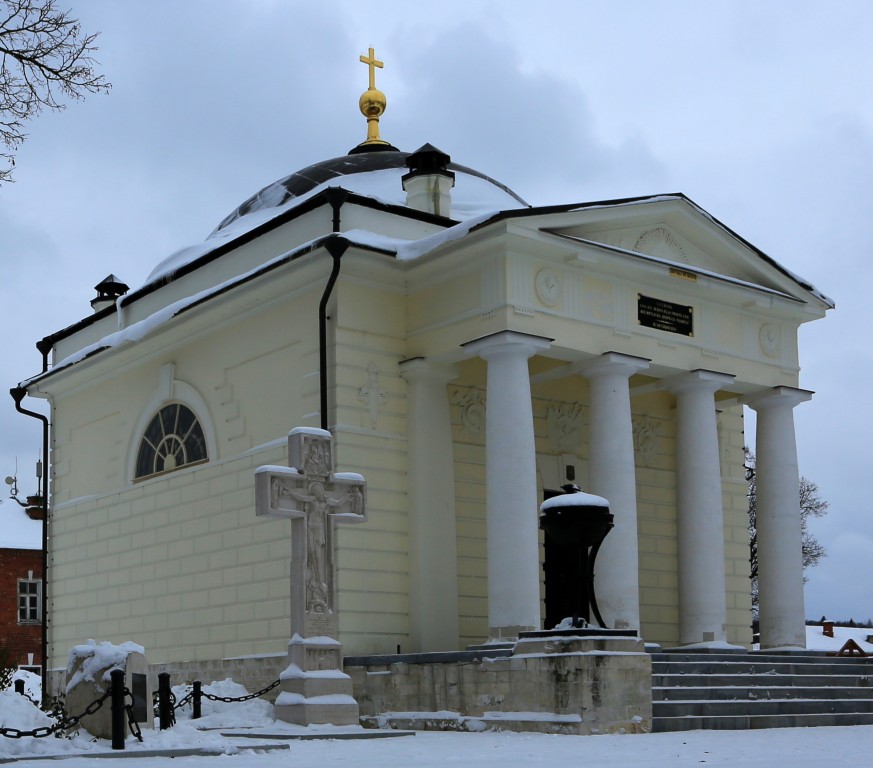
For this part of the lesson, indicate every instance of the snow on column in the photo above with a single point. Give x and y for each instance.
(511, 506)
(780, 558)
(700, 524)
(433, 593)
(612, 474)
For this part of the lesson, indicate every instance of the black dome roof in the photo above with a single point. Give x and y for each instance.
(299, 183)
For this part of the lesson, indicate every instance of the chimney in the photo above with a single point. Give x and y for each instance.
(428, 185)
(108, 290)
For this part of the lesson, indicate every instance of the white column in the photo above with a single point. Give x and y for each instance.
(511, 506)
(780, 559)
(433, 558)
(700, 523)
(612, 474)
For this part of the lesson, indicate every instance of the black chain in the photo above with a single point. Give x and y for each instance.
(249, 697)
(62, 725)
(131, 720)
(187, 699)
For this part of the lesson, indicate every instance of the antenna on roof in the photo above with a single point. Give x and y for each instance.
(12, 482)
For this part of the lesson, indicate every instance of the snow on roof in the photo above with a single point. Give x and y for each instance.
(472, 197)
(816, 640)
(17, 530)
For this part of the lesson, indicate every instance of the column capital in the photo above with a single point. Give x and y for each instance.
(699, 380)
(613, 363)
(422, 368)
(506, 342)
(786, 397)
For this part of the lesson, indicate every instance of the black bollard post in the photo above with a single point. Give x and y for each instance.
(116, 677)
(195, 715)
(19, 687)
(165, 706)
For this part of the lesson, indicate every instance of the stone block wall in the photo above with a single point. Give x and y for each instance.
(555, 687)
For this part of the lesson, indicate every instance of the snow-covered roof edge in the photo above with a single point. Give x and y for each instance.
(210, 251)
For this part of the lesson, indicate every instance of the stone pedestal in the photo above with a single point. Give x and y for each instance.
(580, 681)
(314, 688)
(88, 679)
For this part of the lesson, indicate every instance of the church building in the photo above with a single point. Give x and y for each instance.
(470, 354)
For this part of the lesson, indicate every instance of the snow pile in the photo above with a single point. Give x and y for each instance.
(86, 660)
(221, 714)
(32, 683)
(18, 712)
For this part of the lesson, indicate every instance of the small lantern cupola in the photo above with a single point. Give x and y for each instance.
(108, 290)
(428, 185)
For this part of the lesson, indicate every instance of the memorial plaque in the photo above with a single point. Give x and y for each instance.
(665, 315)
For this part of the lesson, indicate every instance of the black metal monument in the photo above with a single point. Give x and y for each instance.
(575, 523)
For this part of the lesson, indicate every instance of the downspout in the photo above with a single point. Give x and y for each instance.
(18, 394)
(336, 247)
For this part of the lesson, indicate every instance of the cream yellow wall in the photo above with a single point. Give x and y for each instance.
(179, 563)
(368, 398)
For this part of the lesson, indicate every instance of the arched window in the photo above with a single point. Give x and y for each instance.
(172, 440)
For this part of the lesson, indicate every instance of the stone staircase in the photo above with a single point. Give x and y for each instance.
(757, 690)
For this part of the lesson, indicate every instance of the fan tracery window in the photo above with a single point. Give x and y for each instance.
(172, 440)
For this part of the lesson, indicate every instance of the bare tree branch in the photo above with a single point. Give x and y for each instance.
(810, 505)
(45, 59)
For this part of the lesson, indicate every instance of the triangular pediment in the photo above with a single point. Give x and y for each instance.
(674, 230)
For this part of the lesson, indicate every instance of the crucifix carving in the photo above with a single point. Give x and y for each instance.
(372, 394)
(313, 496)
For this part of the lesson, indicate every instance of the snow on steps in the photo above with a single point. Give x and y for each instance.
(758, 690)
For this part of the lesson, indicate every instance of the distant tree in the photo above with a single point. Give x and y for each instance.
(811, 505)
(45, 58)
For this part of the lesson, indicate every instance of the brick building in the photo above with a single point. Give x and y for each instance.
(21, 585)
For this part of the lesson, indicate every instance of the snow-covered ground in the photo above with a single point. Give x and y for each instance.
(791, 747)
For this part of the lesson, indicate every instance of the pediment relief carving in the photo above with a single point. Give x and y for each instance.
(662, 243)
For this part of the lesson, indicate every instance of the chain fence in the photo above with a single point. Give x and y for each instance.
(163, 701)
(69, 722)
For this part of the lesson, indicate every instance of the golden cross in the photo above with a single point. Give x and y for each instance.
(372, 62)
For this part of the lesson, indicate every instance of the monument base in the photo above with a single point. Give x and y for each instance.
(579, 681)
(314, 689)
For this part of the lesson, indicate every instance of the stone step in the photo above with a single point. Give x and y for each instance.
(745, 722)
(761, 681)
(749, 707)
(741, 691)
(754, 691)
(760, 657)
(451, 721)
(755, 667)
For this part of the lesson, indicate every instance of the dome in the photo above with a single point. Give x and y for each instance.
(378, 174)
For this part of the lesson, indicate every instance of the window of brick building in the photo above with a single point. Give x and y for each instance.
(29, 601)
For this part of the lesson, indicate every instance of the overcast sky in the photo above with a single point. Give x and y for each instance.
(759, 111)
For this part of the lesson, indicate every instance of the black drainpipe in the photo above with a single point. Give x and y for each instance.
(18, 394)
(336, 247)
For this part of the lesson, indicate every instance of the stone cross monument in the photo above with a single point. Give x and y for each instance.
(313, 496)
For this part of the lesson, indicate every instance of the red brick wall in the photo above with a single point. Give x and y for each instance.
(18, 639)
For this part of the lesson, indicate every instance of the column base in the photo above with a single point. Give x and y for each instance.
(507, 634)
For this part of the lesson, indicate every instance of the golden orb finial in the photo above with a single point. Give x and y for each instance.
(373, 104)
